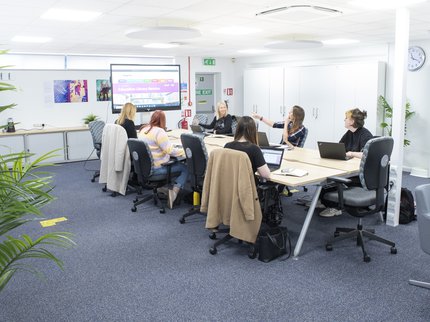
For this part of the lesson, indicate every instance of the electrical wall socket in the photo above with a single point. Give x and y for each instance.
(38, 125)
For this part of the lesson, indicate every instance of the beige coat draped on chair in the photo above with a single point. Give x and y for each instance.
(115, 159)
(230, 196)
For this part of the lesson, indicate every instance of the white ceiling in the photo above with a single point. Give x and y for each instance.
(106, 35)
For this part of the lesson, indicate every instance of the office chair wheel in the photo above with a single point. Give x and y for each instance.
(162, 211)
(104, 189)
(393, 250)
(93, 180)
(336, 234)
(134, 209)
(213, 250)
(328, 247)
(252, 252)
(182, 220)
(366, 258)
(212, 236)
(135, 200)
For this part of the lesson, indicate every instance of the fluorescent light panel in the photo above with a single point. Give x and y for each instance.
(160, 45)
(70, 15)
(384, 4)
(30, 39)
(253, 51)
(339, 41)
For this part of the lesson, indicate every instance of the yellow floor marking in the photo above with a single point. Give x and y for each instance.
(52, 222)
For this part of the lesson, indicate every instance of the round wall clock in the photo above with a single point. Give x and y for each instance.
(416, 58)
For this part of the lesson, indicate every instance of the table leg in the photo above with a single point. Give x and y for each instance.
(307, 222)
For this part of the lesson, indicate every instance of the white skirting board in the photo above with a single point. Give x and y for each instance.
(419, 172)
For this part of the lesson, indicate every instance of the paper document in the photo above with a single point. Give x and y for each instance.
(291, 172)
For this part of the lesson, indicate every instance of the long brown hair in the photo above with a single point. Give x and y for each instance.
(298, 117)
(246, 128)
(158, 118)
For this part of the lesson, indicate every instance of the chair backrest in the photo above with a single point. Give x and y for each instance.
(196, 155)
(374, 166)
(142, 159)
(422, 198)
(234, 120)
(302, 142)
(203, 118)
(96, 130)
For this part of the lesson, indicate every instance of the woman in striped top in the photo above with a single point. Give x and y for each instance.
(161, 149)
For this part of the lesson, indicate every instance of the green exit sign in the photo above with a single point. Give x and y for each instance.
(209, 61)
(203, 92)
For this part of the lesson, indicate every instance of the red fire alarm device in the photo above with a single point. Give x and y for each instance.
(187, 112)
(229, 91)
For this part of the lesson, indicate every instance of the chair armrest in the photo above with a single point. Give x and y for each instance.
(339, 179)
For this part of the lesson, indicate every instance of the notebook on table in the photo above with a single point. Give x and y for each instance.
(273, 157)
(332, 150)
(263, 141)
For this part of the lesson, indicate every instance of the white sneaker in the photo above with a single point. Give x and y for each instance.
(330, 212)
(318, 205)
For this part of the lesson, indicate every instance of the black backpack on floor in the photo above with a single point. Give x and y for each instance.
(407, 207)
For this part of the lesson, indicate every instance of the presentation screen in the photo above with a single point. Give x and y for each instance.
(148, 87)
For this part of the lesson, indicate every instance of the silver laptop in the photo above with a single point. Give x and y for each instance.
(263, 141)
(273, 157)
(332, 150)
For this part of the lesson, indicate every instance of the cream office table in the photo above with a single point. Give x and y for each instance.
(306, 159)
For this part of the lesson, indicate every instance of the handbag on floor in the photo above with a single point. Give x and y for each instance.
(272, 243)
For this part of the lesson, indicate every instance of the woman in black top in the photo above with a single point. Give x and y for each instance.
(221, 123)
(357, 135)
(245, 140)
(126, 120)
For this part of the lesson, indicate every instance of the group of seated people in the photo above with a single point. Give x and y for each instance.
(245, 139)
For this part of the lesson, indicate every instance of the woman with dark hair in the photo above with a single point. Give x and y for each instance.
(357, 135)
(126, 120)
(245, 140)
(294, 133)
(354, 139)
(161, 149)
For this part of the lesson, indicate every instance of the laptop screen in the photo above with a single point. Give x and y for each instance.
(273, 156)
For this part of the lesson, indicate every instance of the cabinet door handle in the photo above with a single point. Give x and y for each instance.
(316, 114)
(280, 110)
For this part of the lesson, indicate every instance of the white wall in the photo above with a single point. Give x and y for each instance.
(417, 155)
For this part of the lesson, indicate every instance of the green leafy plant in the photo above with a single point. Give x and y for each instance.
(24, 190)
(388, 117)
(90, 118)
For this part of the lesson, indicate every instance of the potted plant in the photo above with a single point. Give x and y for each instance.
(90, 118)
(24, 190)
(388, 117)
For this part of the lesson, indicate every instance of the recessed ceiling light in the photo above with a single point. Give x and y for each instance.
(294, 44)
(384, 4)
(298, 6)
(160, 45)
(164, 33)
(30, 39)
(236, 30)
(70, 15)
(340, 41)
(253, 51)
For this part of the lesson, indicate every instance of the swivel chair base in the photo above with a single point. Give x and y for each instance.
(194, 210)
(359, 233)
(420, 283)
(146, 198)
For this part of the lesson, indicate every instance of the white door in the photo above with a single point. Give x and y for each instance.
(205, 98)
(256, 91)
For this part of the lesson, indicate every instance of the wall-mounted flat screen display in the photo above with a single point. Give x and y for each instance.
(148, 87)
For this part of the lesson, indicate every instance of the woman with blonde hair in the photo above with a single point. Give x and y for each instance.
(221, 123)
(126, 120)
(161, 149)
(294, 131)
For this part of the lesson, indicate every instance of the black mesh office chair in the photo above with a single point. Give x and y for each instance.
(96, 130)
(197, 158)
(202, 119)
(234, 120)
(367, 199)
(143, 167)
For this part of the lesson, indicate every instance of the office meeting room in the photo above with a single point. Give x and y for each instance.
(194, 160)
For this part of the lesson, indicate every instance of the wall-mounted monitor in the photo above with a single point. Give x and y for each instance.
(148, 87)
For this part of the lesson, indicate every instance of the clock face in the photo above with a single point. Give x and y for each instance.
(416, 58)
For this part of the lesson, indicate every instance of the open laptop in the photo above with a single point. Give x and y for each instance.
(273, 157)
(332, 150)
(263, 141)
(197, 129)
